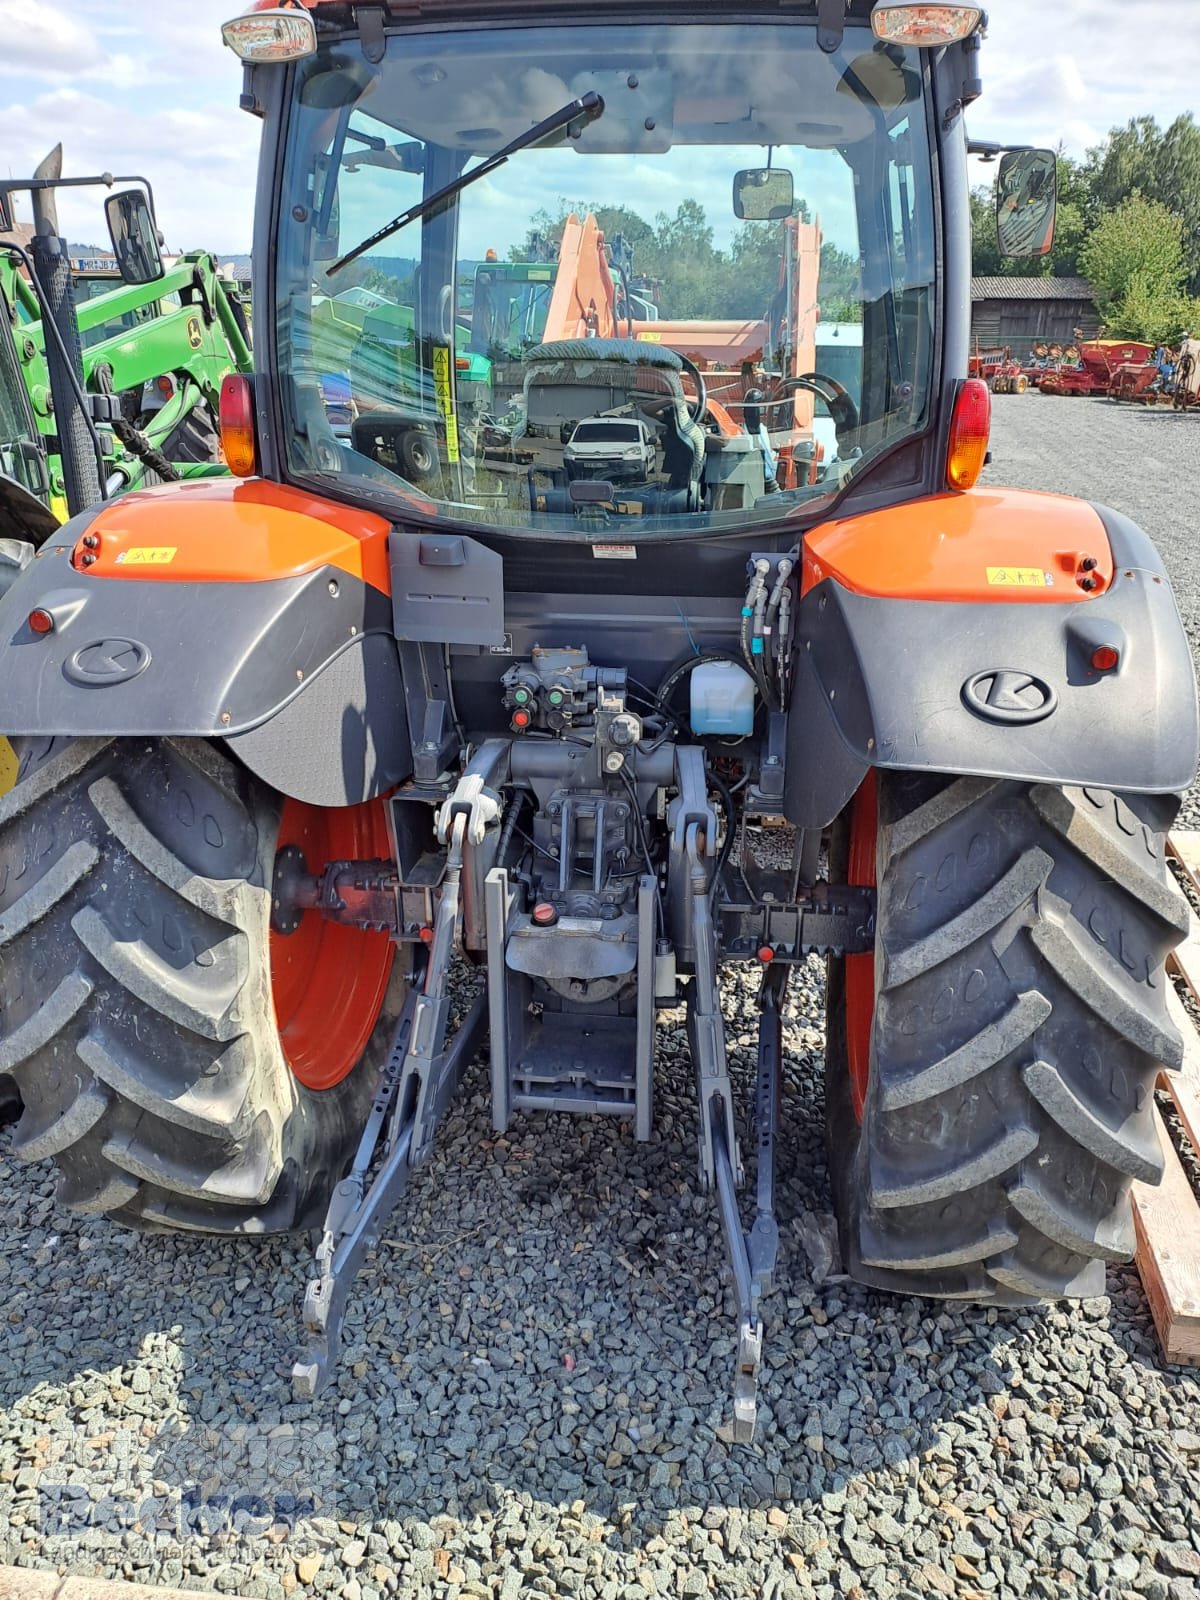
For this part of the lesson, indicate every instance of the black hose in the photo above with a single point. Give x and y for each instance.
(639, 820)
(50, 329)
(136, 442)
(730, 809)
(511, 817)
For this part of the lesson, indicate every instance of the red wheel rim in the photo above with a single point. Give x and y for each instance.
(860, 970)
(328, 981)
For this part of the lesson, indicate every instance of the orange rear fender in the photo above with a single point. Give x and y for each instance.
(227, 530)
(985, 545)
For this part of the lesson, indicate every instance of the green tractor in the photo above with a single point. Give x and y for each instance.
(140, 358)
(150, 346)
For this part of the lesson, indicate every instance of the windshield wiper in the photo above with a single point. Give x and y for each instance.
(589, 108)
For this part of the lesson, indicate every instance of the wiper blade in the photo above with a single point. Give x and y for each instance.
(589, 107)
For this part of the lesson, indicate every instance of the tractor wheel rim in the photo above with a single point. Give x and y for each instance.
(329, 981)
(860, 969)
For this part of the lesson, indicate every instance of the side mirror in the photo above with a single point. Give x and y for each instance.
(763, 194)
(1026, 202)
(134, 237)
(6, 213)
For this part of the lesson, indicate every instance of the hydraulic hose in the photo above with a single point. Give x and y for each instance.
(51, 331)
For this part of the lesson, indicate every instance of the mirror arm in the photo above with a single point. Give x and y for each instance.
(988, 149)
(831, 24)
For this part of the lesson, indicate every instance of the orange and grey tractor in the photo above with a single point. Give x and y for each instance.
(519, 670)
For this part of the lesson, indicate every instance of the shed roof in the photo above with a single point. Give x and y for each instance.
(1031, 289)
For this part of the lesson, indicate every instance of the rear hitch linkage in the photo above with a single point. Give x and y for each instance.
(424, 1067)
(417, 1084)
(752, 1256)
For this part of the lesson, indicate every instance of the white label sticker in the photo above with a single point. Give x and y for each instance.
(615, 552)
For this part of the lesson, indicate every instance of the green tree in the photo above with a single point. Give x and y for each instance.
(1162, 164)
(1134, 257)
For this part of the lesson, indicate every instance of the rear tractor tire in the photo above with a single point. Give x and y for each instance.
(195, 441)
(153, 1024)
(989, 1114)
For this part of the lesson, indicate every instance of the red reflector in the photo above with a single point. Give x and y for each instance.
(766, 955)
(1105, 657)
(237, 425)
(41, 621)
(970, 429)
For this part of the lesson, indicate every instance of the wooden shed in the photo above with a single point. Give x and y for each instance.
(1020, 312)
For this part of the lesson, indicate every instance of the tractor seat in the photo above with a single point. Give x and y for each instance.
(629, 352)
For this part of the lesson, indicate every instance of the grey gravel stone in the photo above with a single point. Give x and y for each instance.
(907, 1449)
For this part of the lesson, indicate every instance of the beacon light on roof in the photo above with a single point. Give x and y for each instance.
(278, 34)
(927, 26)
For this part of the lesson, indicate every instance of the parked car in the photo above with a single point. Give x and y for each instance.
(610, 447)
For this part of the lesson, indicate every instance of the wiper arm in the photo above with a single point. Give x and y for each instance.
(589, 108)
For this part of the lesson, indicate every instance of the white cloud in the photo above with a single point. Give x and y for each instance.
(1069, 72)
(43, 38)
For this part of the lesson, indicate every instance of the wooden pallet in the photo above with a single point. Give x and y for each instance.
(1167, 1219)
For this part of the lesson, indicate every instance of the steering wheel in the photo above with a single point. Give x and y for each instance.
(698, 406)
(841, 406)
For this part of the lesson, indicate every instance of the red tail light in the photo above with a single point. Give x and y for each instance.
(970, 430)
(237, 425)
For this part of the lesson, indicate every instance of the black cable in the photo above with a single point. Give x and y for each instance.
(450, 701)
(509, 827)
(640, 823)
(530, 840)
(648, 695)
(730, 809)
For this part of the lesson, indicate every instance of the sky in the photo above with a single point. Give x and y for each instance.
(145, 86)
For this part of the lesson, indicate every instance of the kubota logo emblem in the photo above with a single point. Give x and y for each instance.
(1003, 696)
(107, 661)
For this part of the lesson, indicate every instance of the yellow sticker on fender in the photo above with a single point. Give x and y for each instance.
(1019, 578)
(148, 555)
(8, 766)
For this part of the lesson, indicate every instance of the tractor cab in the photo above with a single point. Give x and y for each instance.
(764, 178)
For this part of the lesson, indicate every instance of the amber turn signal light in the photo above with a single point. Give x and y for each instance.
(970, 430)
(237, 425)
(927, 26)
(271, 34)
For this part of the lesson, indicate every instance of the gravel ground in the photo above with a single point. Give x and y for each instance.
(538, 1364)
